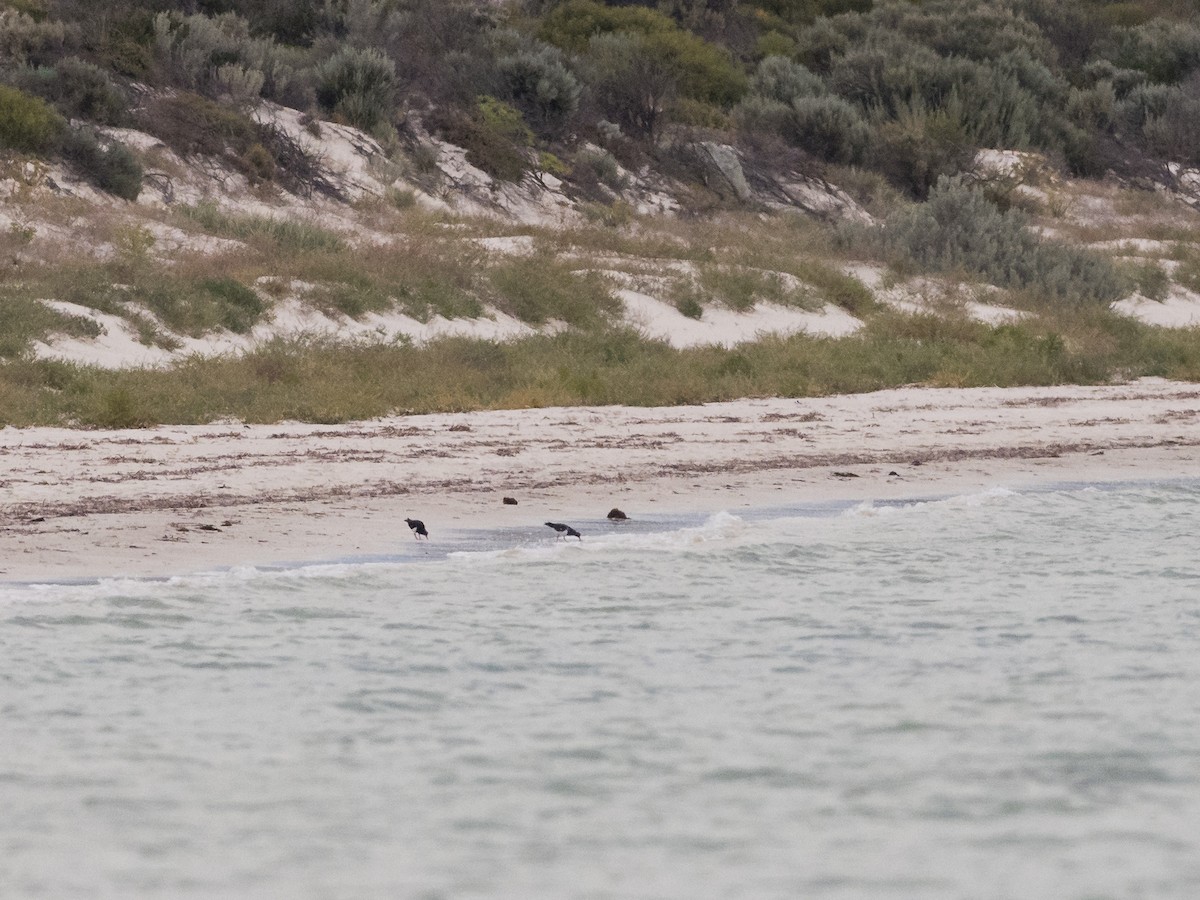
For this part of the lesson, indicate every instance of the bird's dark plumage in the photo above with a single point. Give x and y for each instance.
(418, 528)
(564, 531)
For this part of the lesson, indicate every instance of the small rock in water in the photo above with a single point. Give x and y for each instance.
(617, 515)
(510, 501)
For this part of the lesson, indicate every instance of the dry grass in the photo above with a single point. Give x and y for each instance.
(324, 382)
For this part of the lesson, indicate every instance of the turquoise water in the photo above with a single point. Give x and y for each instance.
(995, 696)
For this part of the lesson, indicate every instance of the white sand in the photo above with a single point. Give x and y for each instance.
(178, 499)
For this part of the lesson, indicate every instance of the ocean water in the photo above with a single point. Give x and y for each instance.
(991, 696)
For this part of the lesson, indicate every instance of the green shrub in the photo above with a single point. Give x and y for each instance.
(781, 79)
(1150, 280)
(27, 319)
(359, 86)
(79, 90)
(702, 71)
(600, 165)
(27, 41)
(504, 120)
(820, 44)
(27, 124)
(920, 147)
(572, 25)
(215, 55)
(740, 288)
(775, 43)
(829, 128)
(196, 306)
(538, 81)
(636, 58)
(629, 82)
(1188, 273)
(1166, 51)
(486, 150)
(686, 298)
(836, 287)
(119, 408)
(111, 167)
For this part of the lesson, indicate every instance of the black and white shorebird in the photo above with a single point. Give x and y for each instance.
(564, 531)
(418, 528)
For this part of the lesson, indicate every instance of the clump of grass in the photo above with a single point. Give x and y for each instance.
(1188, 272)
(741, 289)
(293, 236)
(738, 288)
(1150, 280)
(423, 277)
(836, 287)
(26, 320)
(240, 306)
(354, 297)
(687, 298)
(539, 288)
(198, 307)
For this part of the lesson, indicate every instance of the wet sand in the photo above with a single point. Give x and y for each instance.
(174, 500)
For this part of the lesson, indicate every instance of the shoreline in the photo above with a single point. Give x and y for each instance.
(174, 500)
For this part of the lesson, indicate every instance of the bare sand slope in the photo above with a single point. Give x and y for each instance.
(172, 500)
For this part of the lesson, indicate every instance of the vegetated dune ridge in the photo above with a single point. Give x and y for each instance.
(173, 500)
(202, 216)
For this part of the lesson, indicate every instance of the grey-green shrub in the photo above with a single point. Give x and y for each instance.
(959, 229)
(820, 43)
(1175, 133)
(194, 48)
(601, 165)
(78, 89)
(1165, 119)
(1165, 50)
(629, 83)
(781, 79)
(111, 166)
(830, 128)
(919, 147)
(763, 115)
(538, 81)
(1094, 107)
(27, 41)
(359, 85)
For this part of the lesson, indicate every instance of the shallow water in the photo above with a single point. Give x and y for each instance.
(989, 697)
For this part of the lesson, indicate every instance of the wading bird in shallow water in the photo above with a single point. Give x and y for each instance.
(564, 531)
(418, 528)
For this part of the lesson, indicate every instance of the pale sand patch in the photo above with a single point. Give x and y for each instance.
(726, 328)
(932, 295)
(118, 346)
(1180, 308)
(173, 500)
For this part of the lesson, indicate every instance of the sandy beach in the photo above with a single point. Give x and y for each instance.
(174, 500)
